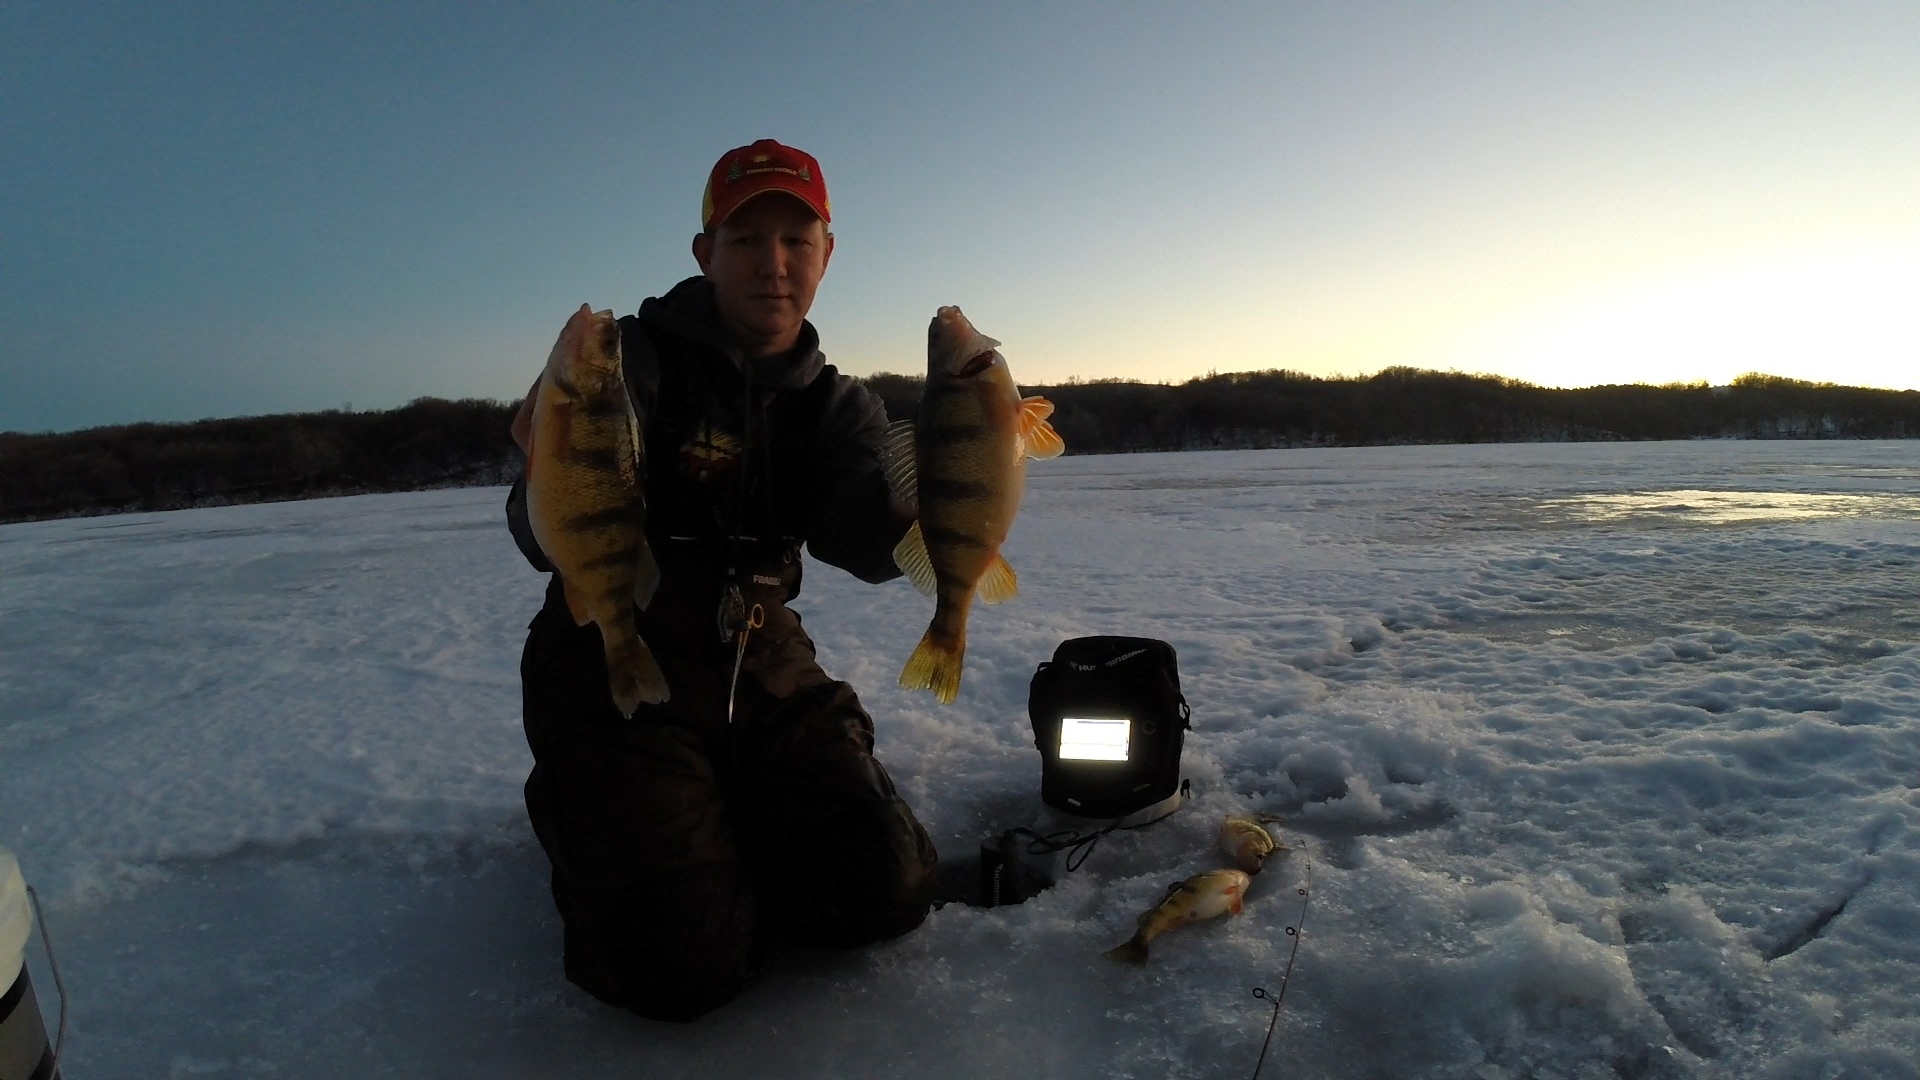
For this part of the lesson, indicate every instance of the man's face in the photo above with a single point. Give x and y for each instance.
(765, 262)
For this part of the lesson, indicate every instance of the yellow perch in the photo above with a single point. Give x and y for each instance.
(963, 461)
(1245, 839)
(1202, 896)
(585, 499)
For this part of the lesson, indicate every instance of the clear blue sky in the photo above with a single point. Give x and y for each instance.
(216, 210)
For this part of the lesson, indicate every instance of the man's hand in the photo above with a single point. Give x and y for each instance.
(523, 421)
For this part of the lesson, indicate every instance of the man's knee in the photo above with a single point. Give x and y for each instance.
(850, 864)
(888, 876)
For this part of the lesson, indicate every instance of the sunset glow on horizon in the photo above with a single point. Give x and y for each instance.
(1844, 316)
(279, 208)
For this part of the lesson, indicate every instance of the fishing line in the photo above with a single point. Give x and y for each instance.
(59, 984)
(1294, 932)
(1079, 846)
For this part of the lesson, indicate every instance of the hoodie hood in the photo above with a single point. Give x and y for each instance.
(688, 312)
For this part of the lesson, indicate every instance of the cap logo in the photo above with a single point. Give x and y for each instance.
(735, 172)
(746, 171)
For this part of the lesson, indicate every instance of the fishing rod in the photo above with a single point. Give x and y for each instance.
(1294, 932)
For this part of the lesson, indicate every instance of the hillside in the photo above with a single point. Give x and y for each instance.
(436, 443)
(1252, 410)
(426, 443)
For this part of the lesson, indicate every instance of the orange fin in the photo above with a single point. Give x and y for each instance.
(935, 666)
(1036, 435)
(576, 604)
(998, 584)
(634, 677)
(910, 555)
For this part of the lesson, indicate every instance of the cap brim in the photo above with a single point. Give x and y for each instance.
(776, 191)
(771, 189)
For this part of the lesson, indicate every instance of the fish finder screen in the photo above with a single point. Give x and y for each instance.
(1086, 738)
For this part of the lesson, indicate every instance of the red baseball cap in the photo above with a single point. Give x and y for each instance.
(746, 171)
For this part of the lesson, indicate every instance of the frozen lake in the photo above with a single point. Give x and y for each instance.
(1607, 757)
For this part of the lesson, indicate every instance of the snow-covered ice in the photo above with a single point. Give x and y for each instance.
(1607, 758)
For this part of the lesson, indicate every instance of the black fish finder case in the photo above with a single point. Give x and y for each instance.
(1110, 722)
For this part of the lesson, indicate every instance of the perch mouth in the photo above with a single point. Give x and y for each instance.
(978, 364)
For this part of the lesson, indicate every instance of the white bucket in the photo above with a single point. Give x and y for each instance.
(16, 919)
(24, 1051)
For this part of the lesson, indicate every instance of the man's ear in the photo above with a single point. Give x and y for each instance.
(703, 251)
(827, 256)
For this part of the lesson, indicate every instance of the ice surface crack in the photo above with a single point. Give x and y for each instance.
(1813, 927)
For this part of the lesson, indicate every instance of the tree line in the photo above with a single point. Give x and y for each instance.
(432, 442)
(1260, 409)
(429, 442)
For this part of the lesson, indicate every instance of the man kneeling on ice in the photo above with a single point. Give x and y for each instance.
(746, 810)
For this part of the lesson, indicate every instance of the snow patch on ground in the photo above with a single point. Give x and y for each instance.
(1607, 759)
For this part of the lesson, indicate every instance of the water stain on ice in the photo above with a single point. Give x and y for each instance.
(1727, 507)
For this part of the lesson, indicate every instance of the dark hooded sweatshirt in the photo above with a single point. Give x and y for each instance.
(685, 842)
(779, 452)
